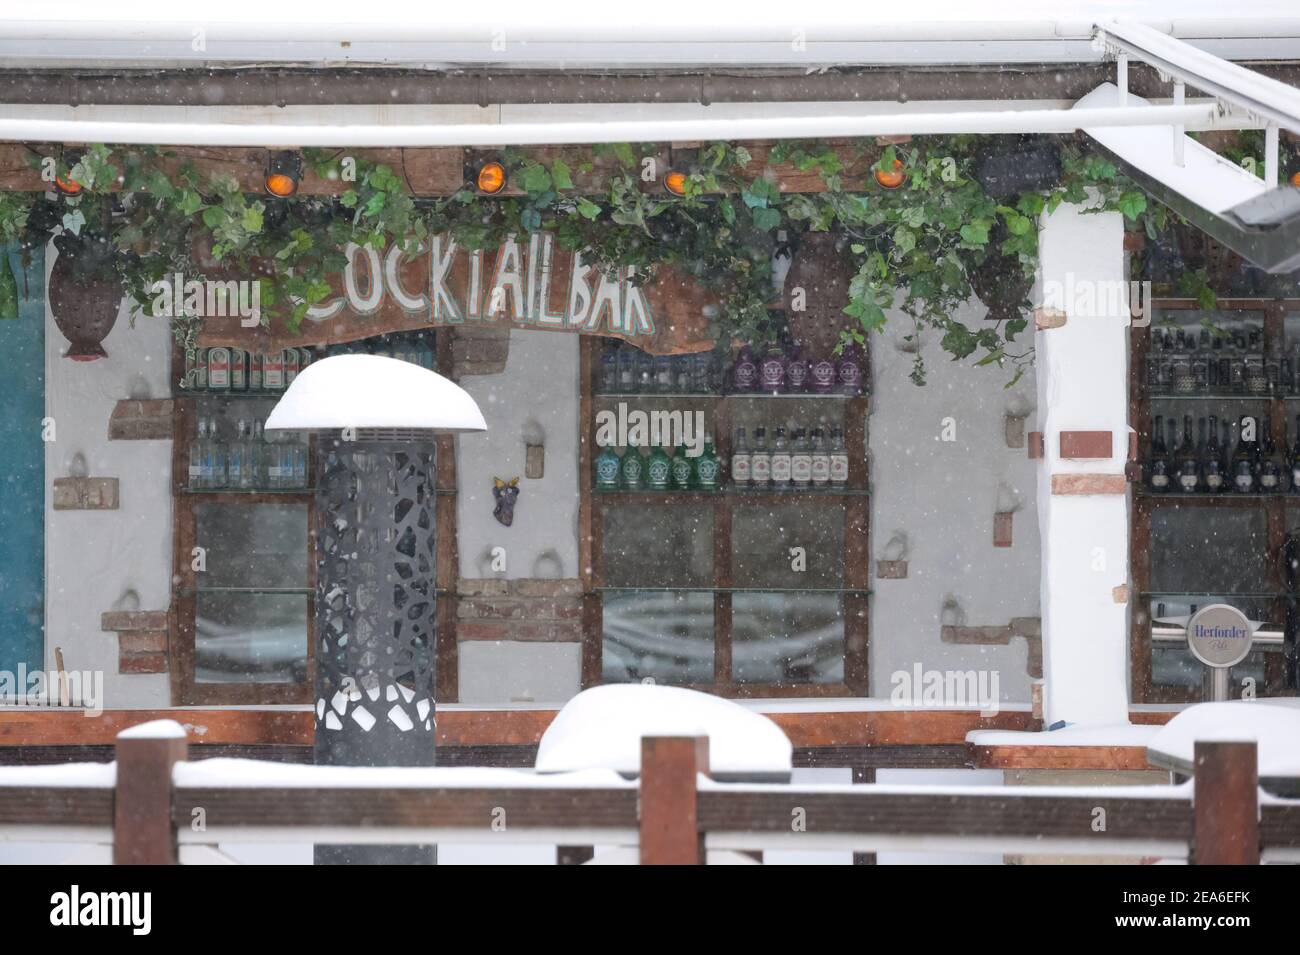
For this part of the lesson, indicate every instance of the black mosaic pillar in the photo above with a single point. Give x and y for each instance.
(375, 580)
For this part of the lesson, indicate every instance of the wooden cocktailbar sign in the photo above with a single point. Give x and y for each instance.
(530, 283)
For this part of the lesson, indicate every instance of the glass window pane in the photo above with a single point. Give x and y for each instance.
(1210, 550)
(654, 545)
(260, 545)
(763, 539)
(787, 638)
(662, 636)
(250, 638)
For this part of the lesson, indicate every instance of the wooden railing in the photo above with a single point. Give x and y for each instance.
(158, 808)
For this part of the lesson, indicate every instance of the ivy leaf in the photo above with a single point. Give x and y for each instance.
(536, 178)
(349, 199)
(74, 220)
(904, 239)
(1132, 203)
(214, 217)
(560, 175)
(976, 233)
(624, 153)
(191, 202)
(588, 209)
(252, 218)
(766, 219)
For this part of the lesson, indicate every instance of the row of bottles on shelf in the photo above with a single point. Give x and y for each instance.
(774, 370)
(223, 370)
(805, 459)
(1242, 458)
(1238, 363)
(248, 459)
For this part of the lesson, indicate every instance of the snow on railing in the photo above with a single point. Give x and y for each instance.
(155, 807)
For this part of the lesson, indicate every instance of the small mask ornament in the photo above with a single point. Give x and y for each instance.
(506, 493)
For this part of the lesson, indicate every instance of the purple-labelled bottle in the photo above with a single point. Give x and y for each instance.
(744, 374)
(848, 372)
(821, 375)
(772, 372)
(797, 372)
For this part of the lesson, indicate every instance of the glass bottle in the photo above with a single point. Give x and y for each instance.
(800, 460)
(796, 371)
(632, 468)
(607, 469)
(658, 470)
(1161, 467)
(744, 373)
(1271, 468)
(1189, 464)
(663, 365)
(682, 470)
(626, 369)
(821, 459)
(1295, 459)
(235, 457)
(1211, 461)
(839, 458)
(707, 467)
(848, 371)
(1243, 459)
(760, 460)
(197, 451)
(771, 372)
(740, 460)
(608, 369)
(780, 460)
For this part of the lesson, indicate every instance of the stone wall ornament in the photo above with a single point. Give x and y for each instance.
(505, 493)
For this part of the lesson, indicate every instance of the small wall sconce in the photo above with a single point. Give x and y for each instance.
(1008, 502)
(138, 390)
(80, 492)
(952, 614)
(548, 566)
(534, 450)
(892, 564)
(1018, 408)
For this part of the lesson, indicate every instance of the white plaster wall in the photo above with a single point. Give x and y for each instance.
(1083, 386)
(540, 384)
(508, 671)
(942, 494)
(93, 557)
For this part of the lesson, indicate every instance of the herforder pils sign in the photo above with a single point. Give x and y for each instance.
(528, 283)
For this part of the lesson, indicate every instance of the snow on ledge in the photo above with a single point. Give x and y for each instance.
(154, 729)
(64, 775)
(603, 727)
(1274, 726)
(1110, 734)
(258, 774)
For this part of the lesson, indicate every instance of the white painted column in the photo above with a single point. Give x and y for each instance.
(1082, 372)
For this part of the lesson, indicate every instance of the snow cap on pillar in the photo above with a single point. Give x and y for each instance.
(373, 392)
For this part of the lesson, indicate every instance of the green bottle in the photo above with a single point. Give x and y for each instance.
(681, 469)
(8, 289)
(632, 469)
(658, 470)
(707, 467)
(607, 468)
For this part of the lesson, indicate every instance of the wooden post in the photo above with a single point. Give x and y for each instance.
(1226, 797)
(670, 831)
(143, 833)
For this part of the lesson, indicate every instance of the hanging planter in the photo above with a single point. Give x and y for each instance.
(818, 281)
(85, 294)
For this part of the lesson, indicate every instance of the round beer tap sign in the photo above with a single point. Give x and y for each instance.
(1219, 635)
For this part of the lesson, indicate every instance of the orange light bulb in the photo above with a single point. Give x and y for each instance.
(891, 178)
(491, 178)
(675, 182)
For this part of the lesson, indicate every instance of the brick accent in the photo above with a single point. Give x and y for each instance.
(1048, 318)
(1002, 524)
(1030, 628)
(891, 569)
(141, 639)
(1035, 445)
(86, 494)
(134, 420)
(529, 609)
(1089, 484)
(1013, 431)
(479, 349)
(1120, 594)
(1086, 444)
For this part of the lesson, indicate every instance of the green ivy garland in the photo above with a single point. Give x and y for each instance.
(914, 247)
